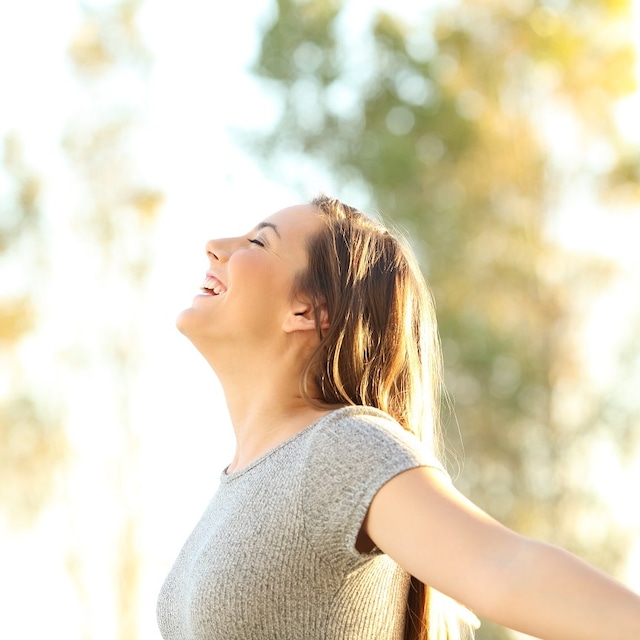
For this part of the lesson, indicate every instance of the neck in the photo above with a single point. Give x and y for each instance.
(262, 425)
(264, 402)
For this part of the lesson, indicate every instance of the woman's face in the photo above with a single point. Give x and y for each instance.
(247, 289)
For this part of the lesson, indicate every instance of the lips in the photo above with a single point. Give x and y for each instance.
(212, 286)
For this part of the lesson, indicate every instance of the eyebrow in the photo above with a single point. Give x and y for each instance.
(270, 225)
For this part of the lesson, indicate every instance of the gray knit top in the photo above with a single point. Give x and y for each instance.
(274, 558)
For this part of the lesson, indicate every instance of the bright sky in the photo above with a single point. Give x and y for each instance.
(197, 89)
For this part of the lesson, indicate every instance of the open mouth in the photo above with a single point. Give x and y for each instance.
(212, 286)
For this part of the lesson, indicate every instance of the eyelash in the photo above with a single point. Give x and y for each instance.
(256, 241)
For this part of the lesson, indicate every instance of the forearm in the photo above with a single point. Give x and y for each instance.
(551, 594)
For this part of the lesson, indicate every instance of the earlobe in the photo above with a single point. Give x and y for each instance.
(324, 317)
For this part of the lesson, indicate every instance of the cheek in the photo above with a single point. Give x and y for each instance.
(260, 279)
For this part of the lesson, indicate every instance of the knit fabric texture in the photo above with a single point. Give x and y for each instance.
(274, 555)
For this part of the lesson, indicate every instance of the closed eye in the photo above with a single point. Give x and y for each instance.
(256, 241)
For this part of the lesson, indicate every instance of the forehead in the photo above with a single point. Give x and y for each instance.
(294, 223)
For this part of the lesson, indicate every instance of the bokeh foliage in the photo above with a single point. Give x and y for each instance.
(467, 128)
(33, 446)
(110, 211)
(117, 214)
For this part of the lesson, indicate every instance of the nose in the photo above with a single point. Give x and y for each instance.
(218, 250)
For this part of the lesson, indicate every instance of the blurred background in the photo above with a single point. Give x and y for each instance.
(502, 137)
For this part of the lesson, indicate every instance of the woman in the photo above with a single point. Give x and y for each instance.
(333, 515)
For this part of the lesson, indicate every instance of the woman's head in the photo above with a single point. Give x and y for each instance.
(377, 340)
(245, 298)
(380, 346)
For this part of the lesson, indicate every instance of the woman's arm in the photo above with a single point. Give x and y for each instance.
(421, 521)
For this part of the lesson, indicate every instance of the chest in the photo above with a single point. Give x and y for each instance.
(247, 568)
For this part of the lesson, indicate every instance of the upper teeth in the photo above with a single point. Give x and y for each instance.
(211, 284)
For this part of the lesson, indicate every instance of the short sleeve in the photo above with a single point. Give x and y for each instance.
(352, 454)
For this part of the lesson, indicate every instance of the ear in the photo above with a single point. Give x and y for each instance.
(302, 317)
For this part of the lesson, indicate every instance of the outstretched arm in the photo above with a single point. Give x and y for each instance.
(421, 521)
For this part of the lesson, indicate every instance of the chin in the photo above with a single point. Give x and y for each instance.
(184, 321)
(192, 325)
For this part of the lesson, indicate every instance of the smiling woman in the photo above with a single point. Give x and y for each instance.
(335, 518)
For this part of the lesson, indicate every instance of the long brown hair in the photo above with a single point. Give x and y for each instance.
(381, 347)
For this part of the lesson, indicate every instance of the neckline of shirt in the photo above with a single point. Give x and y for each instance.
(225, 477)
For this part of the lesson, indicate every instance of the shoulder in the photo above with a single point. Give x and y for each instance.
(361, 438)
(350, 454)
(365, 428)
